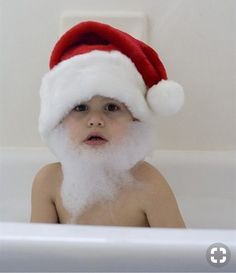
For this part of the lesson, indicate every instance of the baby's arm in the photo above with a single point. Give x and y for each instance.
(42, 206)
(161, 207)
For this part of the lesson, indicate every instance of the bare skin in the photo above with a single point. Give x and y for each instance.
(152, 206)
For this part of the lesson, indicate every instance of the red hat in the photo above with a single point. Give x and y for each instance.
(93, 58)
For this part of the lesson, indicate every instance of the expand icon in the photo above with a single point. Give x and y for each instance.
(218, 254)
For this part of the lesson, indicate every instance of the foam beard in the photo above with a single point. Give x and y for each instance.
(95, 174)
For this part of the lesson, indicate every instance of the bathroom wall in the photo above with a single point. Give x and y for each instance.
(195, 40)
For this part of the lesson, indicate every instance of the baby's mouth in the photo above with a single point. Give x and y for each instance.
(95, 139)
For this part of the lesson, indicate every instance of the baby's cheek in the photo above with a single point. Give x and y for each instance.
(74, 134)
(119, 132)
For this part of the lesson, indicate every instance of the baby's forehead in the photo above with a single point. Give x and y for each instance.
(99, 98)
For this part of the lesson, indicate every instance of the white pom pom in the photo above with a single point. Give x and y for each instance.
(166, 98)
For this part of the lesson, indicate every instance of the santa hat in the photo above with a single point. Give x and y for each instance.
(93, 58)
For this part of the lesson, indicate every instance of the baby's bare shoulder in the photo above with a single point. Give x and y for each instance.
(150, 175)
(154, 186)
(158, 202)
(48, 177)
(43, 194)
(49, 171)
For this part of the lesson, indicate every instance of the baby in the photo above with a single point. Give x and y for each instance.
(98, 120)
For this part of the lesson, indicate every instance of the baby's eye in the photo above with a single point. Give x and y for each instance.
(111, 107)
(81, 107)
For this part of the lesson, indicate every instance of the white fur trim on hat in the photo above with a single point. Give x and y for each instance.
(78, 79)
(166, 98)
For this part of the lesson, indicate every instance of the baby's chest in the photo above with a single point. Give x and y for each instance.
(112, 215)
(124, 211)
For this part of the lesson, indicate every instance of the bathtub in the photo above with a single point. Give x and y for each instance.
(204, 184)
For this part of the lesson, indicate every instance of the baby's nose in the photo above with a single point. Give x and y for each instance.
(96, 121)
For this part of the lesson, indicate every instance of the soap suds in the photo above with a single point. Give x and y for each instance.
(93, 174)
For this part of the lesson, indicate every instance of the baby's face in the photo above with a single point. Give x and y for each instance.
(101, 115)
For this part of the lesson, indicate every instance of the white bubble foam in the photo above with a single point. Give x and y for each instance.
(91, 175)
